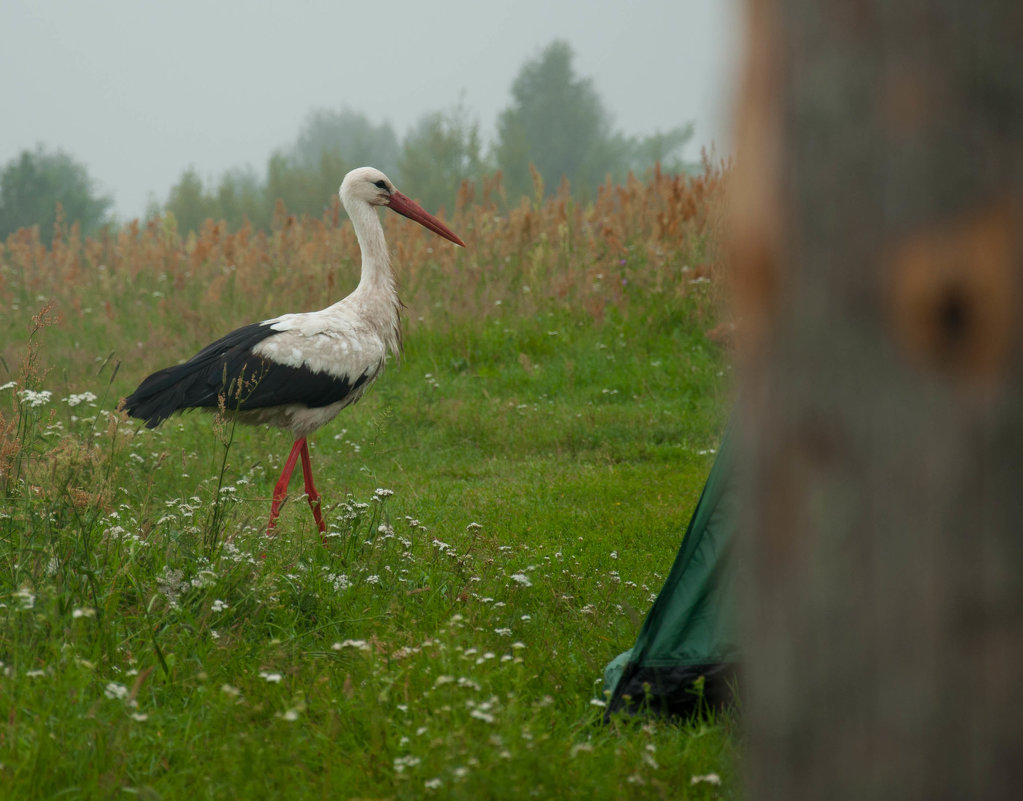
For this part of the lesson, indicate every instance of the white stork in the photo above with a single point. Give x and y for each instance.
(297, 371)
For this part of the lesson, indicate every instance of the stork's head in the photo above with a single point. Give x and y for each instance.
(369, 185)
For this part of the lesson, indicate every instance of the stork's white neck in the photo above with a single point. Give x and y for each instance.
(376, 296)
(376, 261)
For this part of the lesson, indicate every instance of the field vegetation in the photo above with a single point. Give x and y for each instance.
(502, 508)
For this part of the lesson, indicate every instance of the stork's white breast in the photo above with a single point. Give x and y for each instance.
(325, 344)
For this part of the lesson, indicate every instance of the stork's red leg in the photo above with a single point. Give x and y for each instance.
(281, 489)
(310, 491)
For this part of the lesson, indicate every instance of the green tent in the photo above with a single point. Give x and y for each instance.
(688, 648)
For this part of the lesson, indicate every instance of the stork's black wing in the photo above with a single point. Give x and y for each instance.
(228, 368)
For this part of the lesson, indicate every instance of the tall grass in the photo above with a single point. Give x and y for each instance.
(149, 292)
(501, 511)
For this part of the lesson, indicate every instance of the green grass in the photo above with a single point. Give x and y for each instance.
(502, 508)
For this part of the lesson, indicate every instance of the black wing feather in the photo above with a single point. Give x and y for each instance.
(246, 380)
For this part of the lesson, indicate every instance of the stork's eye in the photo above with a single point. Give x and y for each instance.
(381, 184)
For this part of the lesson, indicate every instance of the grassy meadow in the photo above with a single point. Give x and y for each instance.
(502, 508)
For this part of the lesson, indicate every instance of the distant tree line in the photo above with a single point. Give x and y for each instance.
(556, 123)
(39, 184)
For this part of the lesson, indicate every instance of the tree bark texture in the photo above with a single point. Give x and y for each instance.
(878, 253)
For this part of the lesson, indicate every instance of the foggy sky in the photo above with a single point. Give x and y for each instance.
(138, 91)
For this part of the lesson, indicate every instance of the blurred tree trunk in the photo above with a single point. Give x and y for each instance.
(879, 259)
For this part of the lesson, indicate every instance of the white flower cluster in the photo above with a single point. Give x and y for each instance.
(84, 397)
(26, 597)
(115, 690)
(32, 398)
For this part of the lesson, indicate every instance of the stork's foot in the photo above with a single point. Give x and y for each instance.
(280, 496)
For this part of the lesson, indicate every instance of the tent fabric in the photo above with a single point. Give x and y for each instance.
(687, 652)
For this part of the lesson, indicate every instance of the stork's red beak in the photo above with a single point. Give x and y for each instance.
(409, 208)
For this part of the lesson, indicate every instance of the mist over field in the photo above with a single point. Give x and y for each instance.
(139, 93)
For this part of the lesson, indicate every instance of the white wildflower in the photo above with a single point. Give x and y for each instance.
(408, 761)
(32, 398)
(171, 584)
(340, 581)
(27, 597)
(84, 397)
(709, 778)
(218, 606)
(522, 579)
(85, 611)
(204, 579)
(480, 714)
(360, 645)
(115, 690)
(272, 678)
